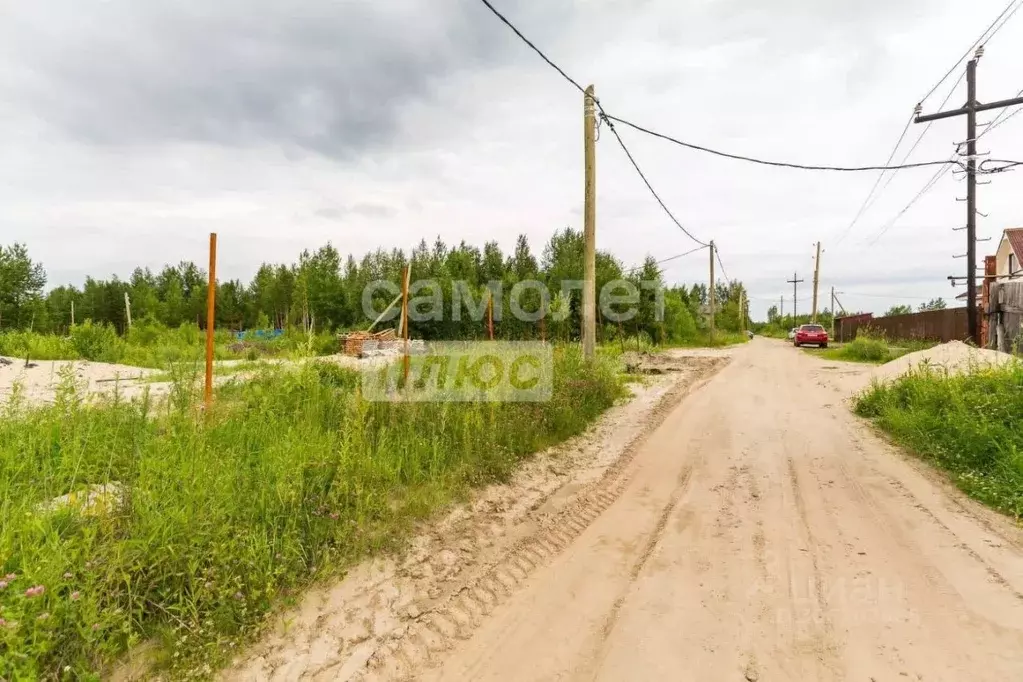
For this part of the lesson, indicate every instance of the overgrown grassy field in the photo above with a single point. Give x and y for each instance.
(150, 344)
(872, 349)
(213, 517)
(970, 425)
(701, 340)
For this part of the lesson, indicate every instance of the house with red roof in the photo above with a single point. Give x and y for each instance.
(1009, 257)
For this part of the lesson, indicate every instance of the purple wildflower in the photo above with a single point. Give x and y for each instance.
(75, 596)
(11, 577)
(95, 627)
(3, 584)
(34, 591)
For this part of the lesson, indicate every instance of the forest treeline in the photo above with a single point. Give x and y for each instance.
(325, 290)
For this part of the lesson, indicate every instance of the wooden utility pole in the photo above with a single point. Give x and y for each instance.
(127, 308)
(742, 311)
(795, 298)
(970, 110)
(211, 303)
(781, 310)
(711, 294)
(816, 279)
(589, 317)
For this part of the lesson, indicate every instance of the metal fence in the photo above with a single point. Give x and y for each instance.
(936, 325)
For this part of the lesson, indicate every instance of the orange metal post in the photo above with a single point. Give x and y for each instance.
(404, 317)
(490, 315)
(211, 302)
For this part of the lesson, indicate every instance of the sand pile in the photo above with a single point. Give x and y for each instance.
(955, 357)
(40, 379)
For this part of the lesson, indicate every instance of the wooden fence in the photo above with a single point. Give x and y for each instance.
(1005, 316)
(936, 325)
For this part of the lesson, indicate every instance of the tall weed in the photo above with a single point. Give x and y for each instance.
(213, 517)
(971, 425)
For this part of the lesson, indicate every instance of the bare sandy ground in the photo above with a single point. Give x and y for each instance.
(754, 531)
(391, 612)
(40, 381)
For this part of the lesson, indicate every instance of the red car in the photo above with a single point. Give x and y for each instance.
(811, 334)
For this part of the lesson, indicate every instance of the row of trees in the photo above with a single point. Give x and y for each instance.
(325, 290)
(933, 304)
(825, 316)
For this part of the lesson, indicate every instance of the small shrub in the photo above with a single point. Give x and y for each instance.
(96, 342)
(867, 349)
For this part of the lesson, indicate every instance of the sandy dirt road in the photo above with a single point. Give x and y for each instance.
(761, 532)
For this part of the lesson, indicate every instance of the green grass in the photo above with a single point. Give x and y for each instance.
(150, 344)
(291, 477)
(196, 370)
(869, 349)
(701, 340)
(970, 425)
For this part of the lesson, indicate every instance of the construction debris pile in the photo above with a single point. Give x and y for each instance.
(374, 345)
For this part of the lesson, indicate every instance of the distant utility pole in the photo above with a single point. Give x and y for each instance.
(711, 292)
(127, 308)
(834, 312)
(589, 316)
(816, 279)
(970, 110)
(795, 295)
(781, 310)
(742, 311)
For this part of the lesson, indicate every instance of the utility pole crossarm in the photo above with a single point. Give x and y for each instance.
(1000, 104)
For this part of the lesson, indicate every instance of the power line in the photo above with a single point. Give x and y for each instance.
(866, 202)
(717, 252)
(926, 188)
(536, 49)
(871, 196)
(999, 120)
(973, 46)
(645, 181)
(668, 259)
(920, 137)
(765, 162)
(603, 115)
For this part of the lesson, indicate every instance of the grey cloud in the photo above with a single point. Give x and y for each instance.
(329, 76)
(368, 210)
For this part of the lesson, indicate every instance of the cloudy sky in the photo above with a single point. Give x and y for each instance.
(130, 129)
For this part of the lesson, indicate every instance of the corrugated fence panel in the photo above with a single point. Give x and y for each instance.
(937, 325)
